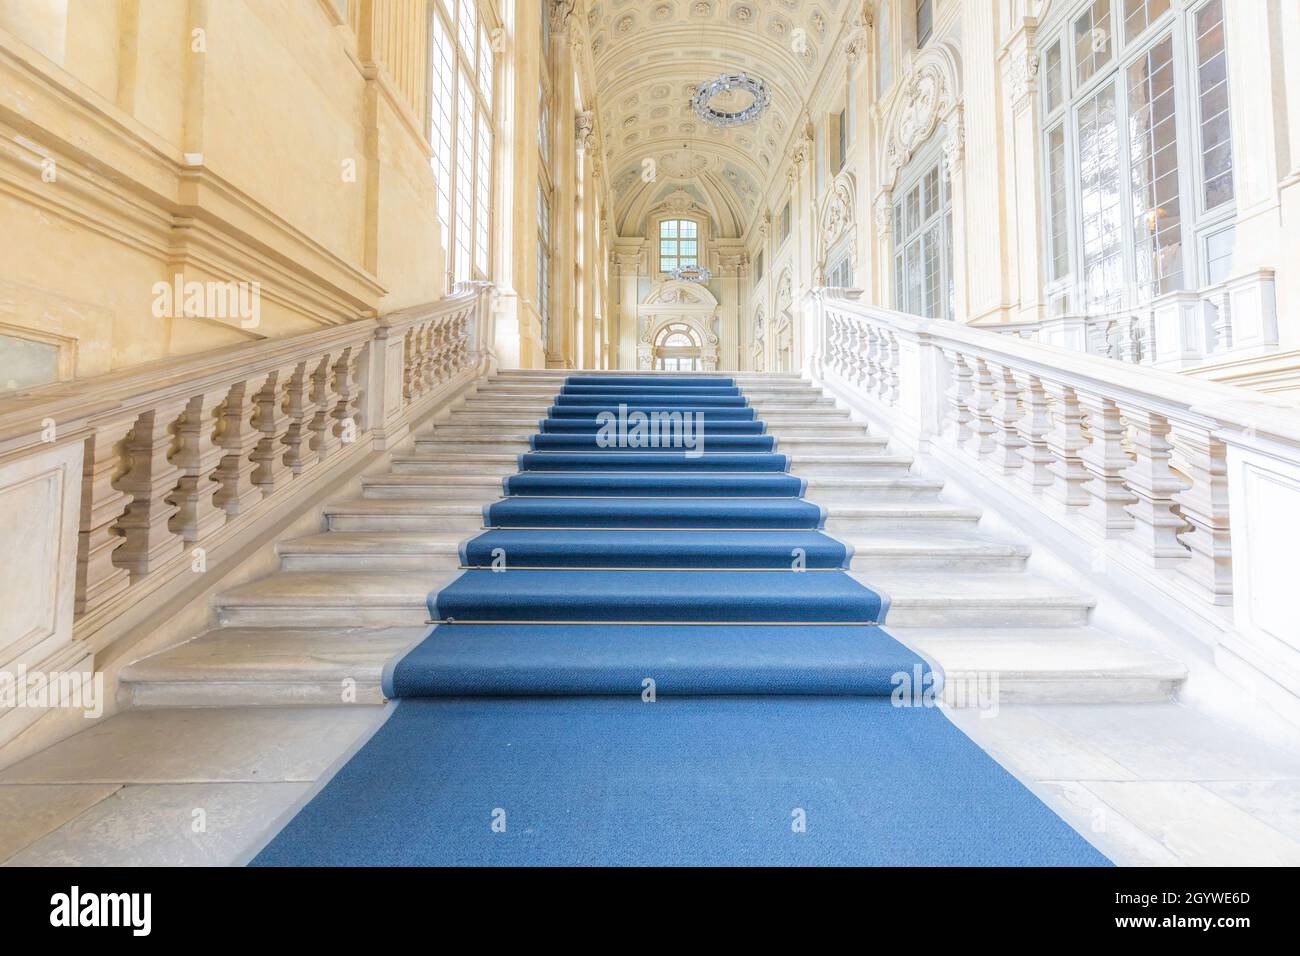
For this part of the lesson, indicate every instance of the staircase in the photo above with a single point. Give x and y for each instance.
(353, 597)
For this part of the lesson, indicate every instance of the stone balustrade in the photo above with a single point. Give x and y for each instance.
(1189, 487)
(112, 485)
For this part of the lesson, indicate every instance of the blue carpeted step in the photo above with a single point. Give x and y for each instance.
(724, 426)
(711, 413)
(653, 380)
(560, 548)
(679, 438)
(631, 484)
(664, 461)
(617, 391)
(762, 513)
(528, 660)
(683, 597)
(644, 398)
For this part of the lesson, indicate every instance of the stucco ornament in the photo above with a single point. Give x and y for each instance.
(926, 99)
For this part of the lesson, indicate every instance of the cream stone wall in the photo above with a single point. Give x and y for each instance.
(276, 142)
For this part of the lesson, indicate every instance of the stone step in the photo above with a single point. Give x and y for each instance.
(480, 464)
(994, 599)
(921, 517)
(351, 599)
(799, 444)
(751, 391)
(466, 488)
(887, 553)
(374, 551)
(514, 443)
(1064, 665)
(270, 667)
(851, 490)
(812, 465)
(404, 514)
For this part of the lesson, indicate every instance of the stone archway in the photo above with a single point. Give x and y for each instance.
(675, 302)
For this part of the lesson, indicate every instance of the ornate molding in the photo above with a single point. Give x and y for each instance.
(954, 146)
(927, 97)
(838, 216)
(584, 131)
(1023, 77)
(882, 211)
(561, 14)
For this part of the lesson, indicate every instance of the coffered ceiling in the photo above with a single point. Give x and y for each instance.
(649, 55)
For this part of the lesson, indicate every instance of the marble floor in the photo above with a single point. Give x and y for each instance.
(1149, 784)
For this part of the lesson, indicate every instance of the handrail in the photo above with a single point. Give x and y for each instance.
(1136, 462)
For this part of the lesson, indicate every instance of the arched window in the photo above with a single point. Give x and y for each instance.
(679, 244)
(677, 348)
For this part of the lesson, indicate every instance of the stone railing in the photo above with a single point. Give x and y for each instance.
(1189, 487)
(111, 486)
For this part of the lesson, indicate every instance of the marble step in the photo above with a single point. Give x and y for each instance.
(888, 553)
(334, 599)
(561, 375)
(751, 391)
(506, 443)
(467, 488)
(397, 514)
(993, 599)
(374, 551)
(270, 667)
(1064, 665)
(482, 463)
(800, 444)
(859, 489)
(921, 517)
(812, 465)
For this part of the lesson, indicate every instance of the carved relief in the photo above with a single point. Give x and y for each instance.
(927, 96)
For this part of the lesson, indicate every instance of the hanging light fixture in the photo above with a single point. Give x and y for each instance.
(731, 83)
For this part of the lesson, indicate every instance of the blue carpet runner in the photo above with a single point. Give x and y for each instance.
(523, 732)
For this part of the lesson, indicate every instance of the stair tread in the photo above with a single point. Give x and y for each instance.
(376, 542)
(1061, 650)
(1014, 588)
(336, 588)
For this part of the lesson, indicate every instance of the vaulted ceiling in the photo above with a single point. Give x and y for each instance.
(649, 56)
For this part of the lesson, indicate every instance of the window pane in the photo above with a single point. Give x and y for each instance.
(1099, 198)
(442, 98)
(1093, 41)
(687, 228)
(467, 23)
(1153, 162)
(1218, 254)
(483, 197)
(1059, 263)
(464, 176)
(485, 64)
(1216, 130)
(668, 228)
(1140, 14)
(1053, 77)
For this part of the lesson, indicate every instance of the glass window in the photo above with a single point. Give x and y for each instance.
(1093, 42)
(678, 244)
(1053, 78)
(464, 176)
(483, 198)
(785, 222)
(924, 21)
(1216, 124)
(923, 246)
(1140, 14)
(1100, 206)
(1057, 213)
(1153, 165)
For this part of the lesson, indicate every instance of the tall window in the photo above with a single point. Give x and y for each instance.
(785, 222)
(678, 244)
(1137, 151)
(924, 21)
(461, 90)
(923, 283)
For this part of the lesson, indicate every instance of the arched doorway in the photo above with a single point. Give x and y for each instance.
(677, 348)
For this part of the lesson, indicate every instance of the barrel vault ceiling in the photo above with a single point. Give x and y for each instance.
(649, 55)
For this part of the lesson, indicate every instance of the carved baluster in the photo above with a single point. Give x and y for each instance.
(982, 408)
(152, 478)
(325, 396)
(959, 387)
(1204, 503)
(345, 412)
(1066, 441)
(198, 458)
(102, 504)
(1107, 462)
(273, 421)
(1154, 485)
(238, 438)
(300, 409)
(408, 367)
(1006, 413)
(1035, 425)
(891, 368)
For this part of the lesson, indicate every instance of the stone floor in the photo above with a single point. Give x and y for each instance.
(1160, 784)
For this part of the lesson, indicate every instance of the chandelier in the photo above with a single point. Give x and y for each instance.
(691, 274)
(729, 83)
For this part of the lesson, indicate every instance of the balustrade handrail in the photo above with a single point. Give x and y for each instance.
(1230, 405)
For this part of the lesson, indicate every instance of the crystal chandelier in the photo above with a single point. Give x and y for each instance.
(728, 83)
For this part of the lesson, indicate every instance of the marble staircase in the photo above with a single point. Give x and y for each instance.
(351, 597)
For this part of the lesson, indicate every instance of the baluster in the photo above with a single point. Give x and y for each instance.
(300, 409)
(1035, 425)
(892, 376)
(345, 412)
(1204, 504)
(102, 504)
(1154, 486)
(1006, 412)
(982, 408)
(325, 396)
(1106, 461)
(273, 421)
(238, 437)
(959, 389)
(1066, 440)
(409, 393)
(152, 478)
(198, 458)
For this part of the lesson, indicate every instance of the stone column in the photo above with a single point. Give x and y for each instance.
(731, 267)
